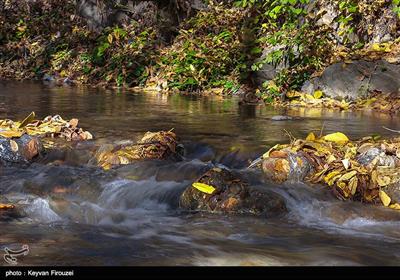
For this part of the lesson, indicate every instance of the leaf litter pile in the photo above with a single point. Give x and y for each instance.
(153, 145)
(367, 170)
(51, 126)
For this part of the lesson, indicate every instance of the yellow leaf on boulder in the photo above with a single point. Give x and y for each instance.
(336, 137)
(384, 198)
(11, 133)
(318, 94)
(203, 187)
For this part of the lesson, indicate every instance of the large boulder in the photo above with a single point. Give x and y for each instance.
(165, 15)
(231, 195)
(268, 71)
(19, 150)
(356, 79)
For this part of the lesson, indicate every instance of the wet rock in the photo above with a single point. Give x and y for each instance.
(284, 118)
(231, 195)
(19, 150)
(393, 191)
(8, 211)
(153, 145)
(356, 79)
(282, 166)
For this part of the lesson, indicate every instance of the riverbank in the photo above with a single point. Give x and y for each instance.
(313, 56)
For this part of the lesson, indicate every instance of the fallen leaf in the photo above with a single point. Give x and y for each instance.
(14, 146)
(336, 137)
(318, 94)
(395, 206)
(6, 206)
(384, 198)
(311, 137)
(346, 163)
(27, 120)
(11, 133)
(204, 187)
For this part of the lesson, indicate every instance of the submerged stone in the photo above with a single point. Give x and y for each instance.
(230, 195)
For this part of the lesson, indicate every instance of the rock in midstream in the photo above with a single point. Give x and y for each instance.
(153, 145)
(231, 195)
(19, 150)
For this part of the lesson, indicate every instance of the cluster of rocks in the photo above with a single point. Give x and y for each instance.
(365, 73)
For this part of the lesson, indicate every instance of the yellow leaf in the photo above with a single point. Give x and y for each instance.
(204, 187)
(27, 120)
(293, 94)
(330, 178)
(348, 176)
(383, 180)
(336, 137)
(395, 206)
(384, 198)
(330, 159)
(110, 38)
(11, 133)
(309, 96)
(311, 137)
(318, 94)
(353, 185)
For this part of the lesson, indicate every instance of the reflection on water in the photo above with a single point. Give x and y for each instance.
(130, 216)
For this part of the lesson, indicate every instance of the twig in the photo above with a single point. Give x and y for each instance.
(291, 137)
(392, 130)
(322, 129)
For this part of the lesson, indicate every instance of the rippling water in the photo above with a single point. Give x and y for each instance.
(77, 214)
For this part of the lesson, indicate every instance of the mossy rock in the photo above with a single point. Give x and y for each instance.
(231, 195)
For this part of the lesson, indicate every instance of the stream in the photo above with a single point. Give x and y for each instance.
(130, 215)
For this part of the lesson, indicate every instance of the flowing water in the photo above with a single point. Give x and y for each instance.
(130, 215)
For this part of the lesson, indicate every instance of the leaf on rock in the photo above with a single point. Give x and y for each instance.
(384, 198)
(318, 94)
(203, 187)
(336, 137)
(395, 206)
(11, 133)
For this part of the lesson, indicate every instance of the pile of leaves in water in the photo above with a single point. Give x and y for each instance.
(153, 145)
(364, 170)
(376, 101)
(50, 126)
